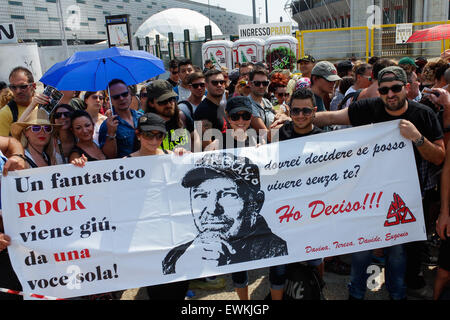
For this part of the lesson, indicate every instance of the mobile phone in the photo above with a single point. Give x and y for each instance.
(54, 96)
(430, 91)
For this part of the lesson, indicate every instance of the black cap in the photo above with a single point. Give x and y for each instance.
(160, 90)
(219, 165)
(307, 57)
(151, 122)
(237, 104)
(344, 65)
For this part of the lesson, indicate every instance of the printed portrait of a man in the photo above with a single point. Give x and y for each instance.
(225, 202)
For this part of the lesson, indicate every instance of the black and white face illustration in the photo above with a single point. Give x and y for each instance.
(217, 207)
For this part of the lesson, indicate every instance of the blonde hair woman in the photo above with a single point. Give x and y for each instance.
(35, 135)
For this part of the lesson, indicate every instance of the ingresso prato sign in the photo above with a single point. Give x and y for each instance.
(264, 31)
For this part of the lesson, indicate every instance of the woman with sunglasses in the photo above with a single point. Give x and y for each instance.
(64, 140)
(35, 134)
(93, 101)
(83, 128)
(150, 132)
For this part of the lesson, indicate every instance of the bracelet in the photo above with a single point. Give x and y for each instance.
(19, 155)
(111, 137)
(447, 129)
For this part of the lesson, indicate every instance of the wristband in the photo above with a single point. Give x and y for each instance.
(447, 129)
(19, 155)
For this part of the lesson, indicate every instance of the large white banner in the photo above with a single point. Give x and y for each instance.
(134, 222)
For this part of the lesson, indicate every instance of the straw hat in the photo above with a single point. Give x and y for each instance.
(36, 117)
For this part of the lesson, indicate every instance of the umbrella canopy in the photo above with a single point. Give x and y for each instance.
(437, 33)
(93, 70)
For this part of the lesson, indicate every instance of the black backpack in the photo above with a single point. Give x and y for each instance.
(353, 95)
(302, 282)
(14, 110)
(189, 122)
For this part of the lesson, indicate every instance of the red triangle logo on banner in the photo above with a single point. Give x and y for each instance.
(399, 212)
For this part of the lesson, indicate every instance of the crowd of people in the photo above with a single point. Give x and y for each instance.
(164, 116)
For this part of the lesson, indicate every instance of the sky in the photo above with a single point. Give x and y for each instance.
(276, 8)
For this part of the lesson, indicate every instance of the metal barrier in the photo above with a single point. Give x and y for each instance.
(363, 42)
(383, 42)
(335, 44)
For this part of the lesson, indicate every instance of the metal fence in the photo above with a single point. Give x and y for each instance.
(363, 42)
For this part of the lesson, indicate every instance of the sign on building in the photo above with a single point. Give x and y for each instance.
(263, 31)
(8, 33)
(403, 32)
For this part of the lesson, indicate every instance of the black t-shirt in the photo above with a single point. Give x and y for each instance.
(372, 110)
(287, 132)
(208, 110)
(229, 142)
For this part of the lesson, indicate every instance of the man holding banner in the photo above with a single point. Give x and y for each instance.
(420, 125)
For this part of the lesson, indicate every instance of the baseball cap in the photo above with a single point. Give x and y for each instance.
(238, 104)
(398, 75)
(409, 61)
(151, 122)
(220, 165)
(307, 57)
(160, 90)
(344, 66)
(325, 70)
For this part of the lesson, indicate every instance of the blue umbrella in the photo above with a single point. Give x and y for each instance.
(93, 70)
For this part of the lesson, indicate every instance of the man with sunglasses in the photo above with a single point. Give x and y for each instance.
(173, 70)
(418, 124)
(210, 112)
(22, 86)
(263, 112)
(117, 133)
(197, 85)
(161, 99)
(303, 111)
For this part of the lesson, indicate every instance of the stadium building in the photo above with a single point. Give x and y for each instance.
(83, 21)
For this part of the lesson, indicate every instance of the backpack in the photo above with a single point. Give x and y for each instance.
(353, 95)
(302, 283)
(189, 118)
(14, 110)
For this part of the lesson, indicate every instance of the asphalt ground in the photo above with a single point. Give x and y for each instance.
(335, 287)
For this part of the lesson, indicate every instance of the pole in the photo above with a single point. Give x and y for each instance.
(267, 13)
(62, 28)
(254, 11)
(209, 13)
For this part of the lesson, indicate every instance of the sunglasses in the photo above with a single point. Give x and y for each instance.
(396, 88)
(245, 116)
(305, 111)
(198, 85)
(217, 82)
(151, 135)
(259, 83)
(37, 128)
(174, 72)
(21, 87)
(123, 95)
(58, 115)
(165, 102)
(281, 94)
